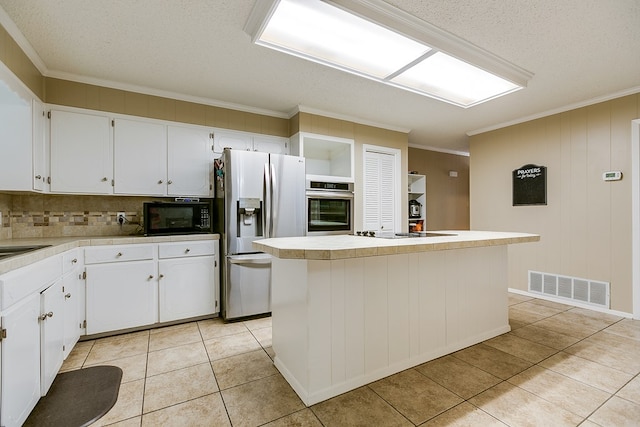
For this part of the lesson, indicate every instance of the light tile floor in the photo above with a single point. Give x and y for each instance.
(558, 366)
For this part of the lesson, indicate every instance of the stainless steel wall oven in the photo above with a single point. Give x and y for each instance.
(329, 208)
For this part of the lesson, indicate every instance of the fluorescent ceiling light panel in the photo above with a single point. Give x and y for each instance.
(446, 77)
(316, 30)
(321, 32)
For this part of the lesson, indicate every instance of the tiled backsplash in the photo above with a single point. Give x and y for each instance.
(41, 215)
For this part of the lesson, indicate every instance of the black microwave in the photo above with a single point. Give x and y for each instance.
(177, 217)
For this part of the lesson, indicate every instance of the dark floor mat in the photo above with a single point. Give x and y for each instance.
(78, 398)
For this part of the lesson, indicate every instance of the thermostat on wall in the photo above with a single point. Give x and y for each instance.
(612, 176)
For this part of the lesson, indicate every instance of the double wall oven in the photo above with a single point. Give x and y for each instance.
(329, 208)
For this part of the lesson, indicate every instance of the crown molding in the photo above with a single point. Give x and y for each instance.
(311, 110)
(439, 150)
(564, 109)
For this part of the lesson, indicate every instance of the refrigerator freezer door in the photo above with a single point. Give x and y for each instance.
(247, 286)
(287, 199)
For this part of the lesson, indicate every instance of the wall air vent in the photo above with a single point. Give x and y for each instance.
(576, 289)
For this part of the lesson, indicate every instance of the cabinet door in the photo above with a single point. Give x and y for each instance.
(187, 287)
(20, 367)
(15, 138)
(236, 141)
(379, 192)
(72, 323)
(140, 157)
(81, 153)
(40, 147)
(271, 144)
(190, 162)
(51, 334)
(121, 295)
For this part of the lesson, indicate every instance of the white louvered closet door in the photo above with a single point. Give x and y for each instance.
(379, 191)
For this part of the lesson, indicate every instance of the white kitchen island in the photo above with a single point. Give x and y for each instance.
(349, 310)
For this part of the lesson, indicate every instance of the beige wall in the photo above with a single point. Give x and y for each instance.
(586, 226)
(447, 197)
(73, 94)
(15, 59)
(361, 134)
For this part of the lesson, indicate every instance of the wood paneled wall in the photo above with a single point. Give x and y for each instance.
(585, 227)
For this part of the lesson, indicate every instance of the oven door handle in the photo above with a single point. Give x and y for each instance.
(330, 194)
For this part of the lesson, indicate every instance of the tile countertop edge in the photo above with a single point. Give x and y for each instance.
(63, 244)
(347, 246)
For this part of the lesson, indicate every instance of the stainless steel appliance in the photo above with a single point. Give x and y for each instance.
(415, 209)
(177, 217)
(329, 208)
(262, 196)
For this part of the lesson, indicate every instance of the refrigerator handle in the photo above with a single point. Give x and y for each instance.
(273, 201)
(266, 215)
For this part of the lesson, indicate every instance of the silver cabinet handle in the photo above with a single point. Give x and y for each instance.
(104, 179)
(75, 260)
(159, 181)
(186, 251)
(161, 276)
(119, 254)
(150, 276)
(67, 296)
(169, 182)
(45, 315)
(38, 176)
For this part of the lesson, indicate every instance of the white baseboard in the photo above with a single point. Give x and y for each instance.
(571, 303)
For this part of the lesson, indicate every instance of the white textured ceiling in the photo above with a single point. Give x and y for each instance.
(578, 50)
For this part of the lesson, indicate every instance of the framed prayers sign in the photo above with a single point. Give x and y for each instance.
(530, 185)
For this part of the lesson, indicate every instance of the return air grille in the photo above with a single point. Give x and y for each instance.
(570, 288)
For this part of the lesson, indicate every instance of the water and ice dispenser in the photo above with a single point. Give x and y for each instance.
(249, 217)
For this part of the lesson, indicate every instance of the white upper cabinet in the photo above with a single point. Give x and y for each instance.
(233, 140)
(237, 140)
(162, 160)
(100, 153)
(271, 144)
(190, 161)
(140, 157)
(16, 172)
(81, 153)
(328, 158)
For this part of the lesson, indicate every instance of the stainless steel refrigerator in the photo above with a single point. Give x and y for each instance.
(262, 195)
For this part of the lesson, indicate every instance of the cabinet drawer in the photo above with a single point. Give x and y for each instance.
(17, 284)
(97, 254)
(184, 249)
(70, 260)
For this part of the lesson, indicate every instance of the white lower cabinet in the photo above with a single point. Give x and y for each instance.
(20, 352)
(188, 279)
(130, 286)
(31, 344)
(121, 295)
(51, 334)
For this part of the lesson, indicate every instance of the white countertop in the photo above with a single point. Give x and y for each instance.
(349, 246)
(63, 244)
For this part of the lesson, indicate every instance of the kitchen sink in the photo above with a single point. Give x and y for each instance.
(9, 251)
